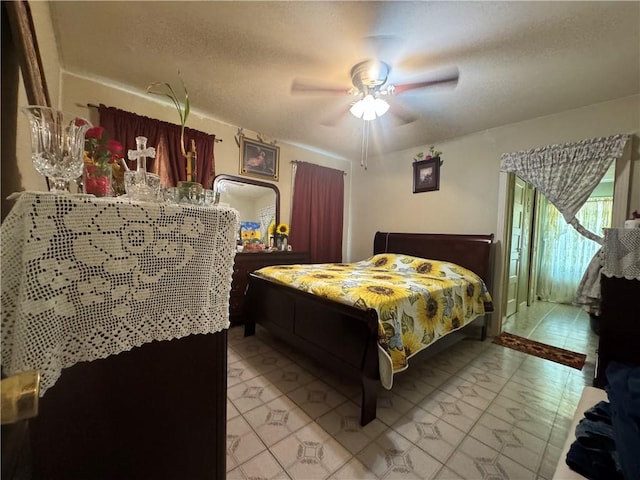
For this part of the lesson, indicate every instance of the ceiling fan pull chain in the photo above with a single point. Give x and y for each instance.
(365, 144)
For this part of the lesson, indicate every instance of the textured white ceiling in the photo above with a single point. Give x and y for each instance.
(517, 60)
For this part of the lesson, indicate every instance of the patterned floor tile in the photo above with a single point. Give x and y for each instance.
(428, 374)
(432, 434)
(539, 398)
(348, 387)
(235, 334)
(391, 406)
(446, 473)
(354, 469)
(316, 398)
(276, 420)
(475, 460)
(561, 428)
(509, 440)
(392, 456)
(240, 371)
(452, 410)
(250, 346)
(343, 424)
(232, 356)
(252, 393)
(412, 388)
(267, 361)
(550, 461)
(232, 411)
(475, 410)
(242, 443)
(534, 421)
(535, 370)
(500, 361)
(289, 377)
(261, 467)
(468, 391)
(447, 362)
(484, 378)
(310, 453)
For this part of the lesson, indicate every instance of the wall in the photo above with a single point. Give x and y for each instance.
(472, 191)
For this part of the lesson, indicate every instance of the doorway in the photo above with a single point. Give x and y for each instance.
(546, 257)
(519, 252)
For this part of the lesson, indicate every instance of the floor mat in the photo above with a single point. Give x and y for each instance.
(548, 352)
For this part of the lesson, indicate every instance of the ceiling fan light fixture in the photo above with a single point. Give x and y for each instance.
(369, 108)
(357, 109)
(380, 106)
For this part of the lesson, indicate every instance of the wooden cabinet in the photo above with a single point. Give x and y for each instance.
(155, 412)
(619, 325)
(619, 292)
(247, 262)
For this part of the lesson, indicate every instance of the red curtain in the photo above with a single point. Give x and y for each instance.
(317, 213)
(165, 138)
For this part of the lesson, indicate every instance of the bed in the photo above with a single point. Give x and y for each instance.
(348, 340)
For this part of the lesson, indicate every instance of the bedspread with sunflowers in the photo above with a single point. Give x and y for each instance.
(417, 300)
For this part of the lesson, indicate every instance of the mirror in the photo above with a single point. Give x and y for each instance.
(258, 205)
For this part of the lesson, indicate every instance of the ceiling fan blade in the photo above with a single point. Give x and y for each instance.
(451, 77)
(335, 117)
(299, 86)
(402, 114)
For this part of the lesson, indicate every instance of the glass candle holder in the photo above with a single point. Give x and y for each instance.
(57, 144)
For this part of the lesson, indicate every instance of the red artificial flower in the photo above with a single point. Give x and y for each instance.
(95, 132)
(100, 151)
(115, 150)
(98, 185)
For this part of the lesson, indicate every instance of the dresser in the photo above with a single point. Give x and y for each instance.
(247, 262)
(123, 309)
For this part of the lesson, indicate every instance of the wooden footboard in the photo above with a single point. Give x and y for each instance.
(341, 337)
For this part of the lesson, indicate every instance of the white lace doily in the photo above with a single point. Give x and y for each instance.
(84, 278)
(622, 253)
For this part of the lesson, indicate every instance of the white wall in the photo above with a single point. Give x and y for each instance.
(471, 197)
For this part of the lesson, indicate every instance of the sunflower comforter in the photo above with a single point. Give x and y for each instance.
(417, 300)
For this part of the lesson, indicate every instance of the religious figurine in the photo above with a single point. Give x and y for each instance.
(141, 185)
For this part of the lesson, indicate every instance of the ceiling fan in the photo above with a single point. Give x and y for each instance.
(369, 84)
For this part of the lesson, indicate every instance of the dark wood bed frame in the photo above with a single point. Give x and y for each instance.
(348, 339)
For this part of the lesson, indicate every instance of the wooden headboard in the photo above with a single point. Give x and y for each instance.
(474, 252)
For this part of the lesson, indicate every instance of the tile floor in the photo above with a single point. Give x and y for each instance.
(473, 411)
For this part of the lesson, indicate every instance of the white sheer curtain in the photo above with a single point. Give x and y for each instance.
(564, 253)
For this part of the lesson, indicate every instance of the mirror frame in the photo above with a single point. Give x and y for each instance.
(249, 181)
(24, 35)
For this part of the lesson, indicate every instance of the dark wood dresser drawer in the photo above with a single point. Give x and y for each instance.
(247, 262)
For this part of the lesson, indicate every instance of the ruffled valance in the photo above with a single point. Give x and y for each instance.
(567, 174)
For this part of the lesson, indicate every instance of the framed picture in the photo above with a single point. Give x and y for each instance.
(426, 175)
(259, 159)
